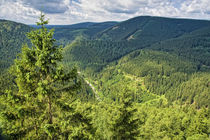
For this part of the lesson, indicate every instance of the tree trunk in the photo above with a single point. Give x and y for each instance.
(50, 110)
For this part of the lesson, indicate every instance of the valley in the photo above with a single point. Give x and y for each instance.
(159, 67)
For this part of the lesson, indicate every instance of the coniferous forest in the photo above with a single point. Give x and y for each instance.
(140, 79)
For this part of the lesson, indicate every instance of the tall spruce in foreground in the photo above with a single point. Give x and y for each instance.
(125, 125)
(41, 107)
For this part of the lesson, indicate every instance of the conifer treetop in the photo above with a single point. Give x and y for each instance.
(42, 20)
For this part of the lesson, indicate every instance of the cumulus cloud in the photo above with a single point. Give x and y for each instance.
(196, 6)
(74, 11)
(124, 9)
(13, 10)
(47, 6)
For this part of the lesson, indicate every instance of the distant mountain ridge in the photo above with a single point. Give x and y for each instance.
(67, 33)
(79, 25)
(152, 27)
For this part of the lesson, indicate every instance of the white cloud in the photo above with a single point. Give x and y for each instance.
(16, 11)
(124, 9)
(47, 6)
(74, 11)
(196, 6)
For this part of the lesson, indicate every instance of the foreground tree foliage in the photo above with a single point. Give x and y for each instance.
(125, 125)
(43, 106)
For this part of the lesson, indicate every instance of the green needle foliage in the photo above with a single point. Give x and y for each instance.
(44, 95)
(125, 126)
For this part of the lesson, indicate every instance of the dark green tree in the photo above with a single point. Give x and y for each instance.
(44, 94)
(125, 124)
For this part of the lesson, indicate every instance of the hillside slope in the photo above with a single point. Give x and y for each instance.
(12, 36)
(194, 46)
(186, 38)
(145, 30)
(153, 75)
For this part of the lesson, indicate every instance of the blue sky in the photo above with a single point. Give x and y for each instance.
(75, 11)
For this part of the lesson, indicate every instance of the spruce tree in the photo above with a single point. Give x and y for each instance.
(125, 124)
(43, 97)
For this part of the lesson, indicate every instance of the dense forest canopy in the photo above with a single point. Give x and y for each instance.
(12, 36)
(144, 78)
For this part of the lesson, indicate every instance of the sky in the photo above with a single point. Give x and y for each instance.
(65, 12)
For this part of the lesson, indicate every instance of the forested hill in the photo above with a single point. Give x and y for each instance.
(150, 29)
(194, 46)
(181, 36)
(12, 36)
